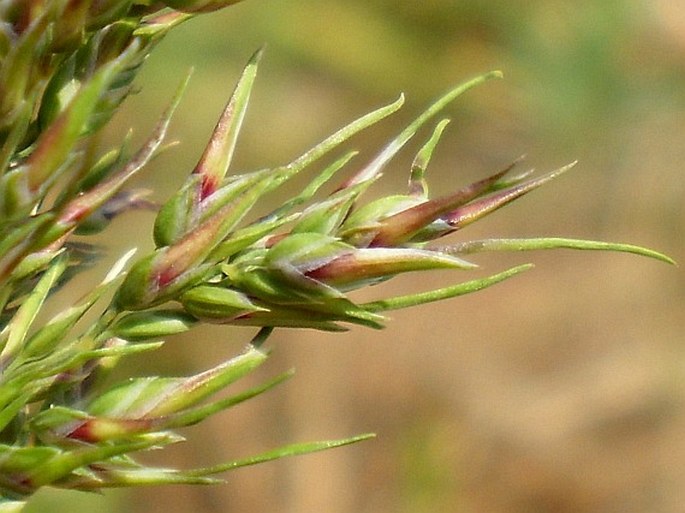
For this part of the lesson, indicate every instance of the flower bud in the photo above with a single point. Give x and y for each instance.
(170, 269)
(402, 225)
(305, 252)
(471, 212)
(152, 325)
(363, 225)
(327, 216)
(153, 397)
(213, 302)
(369, 265)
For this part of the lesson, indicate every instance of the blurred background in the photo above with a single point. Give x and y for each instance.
(562, 390)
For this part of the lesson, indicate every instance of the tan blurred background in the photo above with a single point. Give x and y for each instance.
(562, 390)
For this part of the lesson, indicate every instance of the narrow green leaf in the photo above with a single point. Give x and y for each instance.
(16, 134)
(198, 414)
(23, 319)
(554, 243)
(11, 410)
(333, 141)
(117, 350)
(460, 289)
(374, 167)
(417, 183)
(52, 334)
(282, 452)
(310, 190)
(34, 263)
(60, 465)
(129, 478)
(15, 241)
